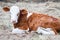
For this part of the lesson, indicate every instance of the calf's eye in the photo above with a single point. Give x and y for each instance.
(18, 14)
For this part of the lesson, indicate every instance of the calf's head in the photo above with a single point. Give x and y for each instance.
(16, 13)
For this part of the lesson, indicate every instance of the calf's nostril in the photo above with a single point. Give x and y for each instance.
(14, 22)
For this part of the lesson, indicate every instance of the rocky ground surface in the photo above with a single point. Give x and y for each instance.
(49, 8)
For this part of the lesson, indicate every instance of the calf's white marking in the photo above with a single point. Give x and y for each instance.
(20, 31)
(44, 31)
(14, 10)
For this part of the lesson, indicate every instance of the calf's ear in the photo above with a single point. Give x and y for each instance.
(23, 11)
(6, 9)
